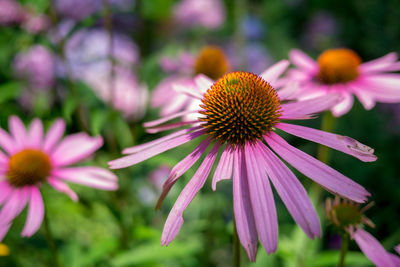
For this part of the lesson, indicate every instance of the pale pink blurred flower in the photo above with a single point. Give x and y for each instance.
(30, 158)
(341, 71)
(206, 13)
(76, 9)
(210, 61)
(10, 12)
(239, 116)
(159, 176)
(35, 23)
(349, 217)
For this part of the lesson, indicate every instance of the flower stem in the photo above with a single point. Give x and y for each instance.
(343, 249)
(50, 240)
(236, 246)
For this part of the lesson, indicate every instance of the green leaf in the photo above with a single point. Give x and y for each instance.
(97, 121)
(9, 91)
(156, 9)
(331, 258)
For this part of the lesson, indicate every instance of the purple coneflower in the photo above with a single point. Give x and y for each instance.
(239, 116)
(30, 159)
(348, 218)
(341, 71)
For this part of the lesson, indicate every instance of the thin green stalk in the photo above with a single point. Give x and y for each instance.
(239, 38)
(50, 241)
(344, 247)
(236, 246)
(110, 30)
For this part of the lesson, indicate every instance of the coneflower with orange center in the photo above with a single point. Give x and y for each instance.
(341, 71)
(238, 118)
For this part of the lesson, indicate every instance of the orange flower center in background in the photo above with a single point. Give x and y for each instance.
(28, 167)
(211, 62)
(240, 107)
(338, 66)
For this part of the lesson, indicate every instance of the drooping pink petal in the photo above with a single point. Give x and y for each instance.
(75, 147)
(14, 205)
(188, 91)
(272, 74)
(383, 88)
(18, 132)
(308, 107)
(299, 75)
(397, 248)
(35, 134)
(366, 100)
(243, 211)
(7, 142)
(63, 188)
(167, 118)
(289, 90)
(35, 213)
(378, 65)
(90, 176)
(180, 168)
(171, 126)
(372, 249)
(262, 200)
(138, 148)
(154, 150)
(178, 103)
(5, 191)
(387, 80)
(302, 61)
(3, 163)
(224, 168)
(319, 172)
(339, 142)
(395, 259)
(3, 230)
(291, 192)
(344, 105)
(175, 220)
(203, 83)
(53, 135)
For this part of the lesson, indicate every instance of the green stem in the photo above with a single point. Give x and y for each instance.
(343, 250)
(239, 38)
(50, 240)
(110, 30)
(236, 246)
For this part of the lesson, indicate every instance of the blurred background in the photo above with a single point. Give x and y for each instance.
(60, 58)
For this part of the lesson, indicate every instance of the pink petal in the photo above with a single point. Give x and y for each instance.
(17, 130)
(75, 147)
(343, 106)
(138, 148)
(299, 75)
(203, 83)
(179, 102)
(262, 200)
(167, 118)
(35, 134)
(395, 259)
(319, 172)
(180, 168)
(339, 142)
(243, 211)
(366, 100)
(7, 142)
(175, 220)
(224, 168)
(372, 249)
(14, 205)
(63, 188)
(3, 230)
(5, 191)
(272, 74)
(397, 248)
(53, 135)
(288, 91)
(35, 213)
(302, 61)
(3, 163)
(174, 125)
(378, 65)
(189, 91)
(90, 176)
(154, 150)
(291, 192)
(309, 107)
(383, 88)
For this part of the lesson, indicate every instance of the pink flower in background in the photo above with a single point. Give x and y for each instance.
(349, 218)
(238, 116)
(76, 9)
(206, 13)
(29, 158)
(341, 71)
(10, 12)
(210, 61)
(88, 56)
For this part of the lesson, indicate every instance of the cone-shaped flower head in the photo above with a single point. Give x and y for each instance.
(341, 71)
(28, 159)
(238, 117)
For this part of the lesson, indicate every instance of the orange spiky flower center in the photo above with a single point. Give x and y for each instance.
(240, 107)
(212, 62)
(28, 167)
(338, 66)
